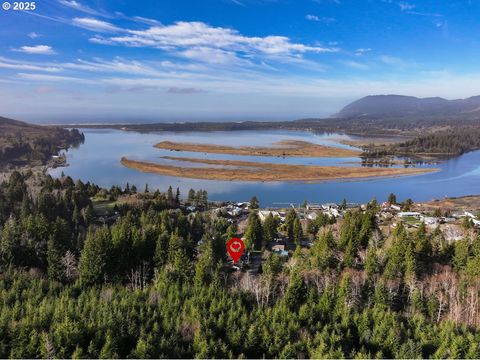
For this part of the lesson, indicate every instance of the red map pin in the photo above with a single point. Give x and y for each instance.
(235, 247)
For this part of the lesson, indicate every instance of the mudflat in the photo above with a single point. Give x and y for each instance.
(265, 172)
(286, 148)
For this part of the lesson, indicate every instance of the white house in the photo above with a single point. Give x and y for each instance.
(236, 211)
(414, 214)
(262, 214)
(470, 215)
(312, 216)
(428, 220)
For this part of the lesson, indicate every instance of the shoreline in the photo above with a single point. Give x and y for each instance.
(267, 172)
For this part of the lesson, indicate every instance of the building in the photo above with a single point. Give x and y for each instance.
(329, 206)
(314, 207)
(470, 215)
(311, 216)
(262, 214)
(404, 214)
(432, 221)
(280, 250)
(236, 211)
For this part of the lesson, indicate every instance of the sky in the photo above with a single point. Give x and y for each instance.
(185, 60)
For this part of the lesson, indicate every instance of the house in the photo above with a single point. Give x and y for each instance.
(432, 221)
(329, 206)
(312, 216)
(236, 211)
(458, 215)
(404, 214)
(278, 247)
(280, 250)
(470, 215)
(332, 212)
(314, 207)
(395, 207)
(262, 214)
(191, 208)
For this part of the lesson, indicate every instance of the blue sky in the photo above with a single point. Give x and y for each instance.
(177, 60)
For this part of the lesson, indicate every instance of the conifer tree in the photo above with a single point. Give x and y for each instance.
(95, 260)
(270, 228)
(254, 232)
(323, 249)
(289, 223)
(297, 231)
(254, 204)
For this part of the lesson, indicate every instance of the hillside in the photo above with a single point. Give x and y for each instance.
(22, 143)
(399, 105)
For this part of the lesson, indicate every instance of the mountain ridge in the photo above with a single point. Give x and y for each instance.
(402, 105)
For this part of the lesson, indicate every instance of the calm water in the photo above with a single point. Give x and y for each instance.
(98, 161)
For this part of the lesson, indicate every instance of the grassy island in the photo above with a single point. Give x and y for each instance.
(265, 172)
(286, 148)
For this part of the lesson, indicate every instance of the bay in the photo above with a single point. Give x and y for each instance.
(98, 161)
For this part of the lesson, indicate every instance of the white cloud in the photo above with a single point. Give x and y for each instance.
(424, 14)
(37, 50)
(95, 25)
(320, 19)
(405, 6)
(33, 35)
(237, 2)
(393, 61)
(209, 55)
(117, 65)
(8, 64)
(73, 4)
(355, 65)
(312, 17)
(146, 20)
(185, 36)
(100, 40)
(49, 78)
(362, 51)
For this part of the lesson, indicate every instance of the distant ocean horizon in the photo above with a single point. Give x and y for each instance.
(119, 120)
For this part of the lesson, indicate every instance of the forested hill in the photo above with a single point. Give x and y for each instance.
(440, 144)
(153, 281)
(22, 143)
(399, 105)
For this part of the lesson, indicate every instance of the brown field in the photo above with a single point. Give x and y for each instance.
(266, 172)
(286, 148)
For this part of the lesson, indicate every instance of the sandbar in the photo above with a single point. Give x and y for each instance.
(286, 148)
(266, 172)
